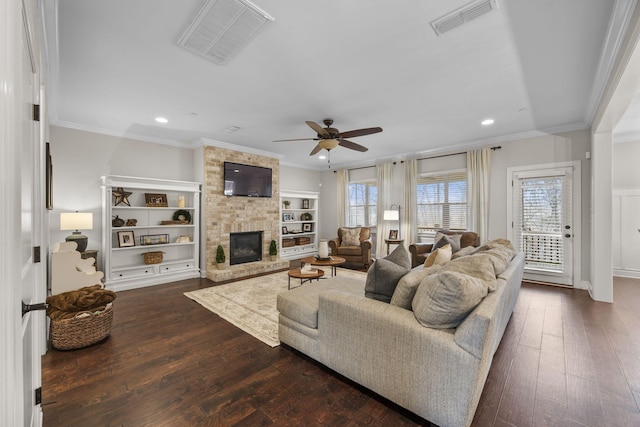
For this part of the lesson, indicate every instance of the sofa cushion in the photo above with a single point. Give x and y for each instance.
(384, 274)
(443, 300)
(350, 237)
(440, 256)
(407, 286)
(442, 239)
(301, 304)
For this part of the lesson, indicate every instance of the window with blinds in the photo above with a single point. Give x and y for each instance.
(442, 201)
(363, 202)
(539, 220)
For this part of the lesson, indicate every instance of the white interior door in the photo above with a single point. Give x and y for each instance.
(543, 222)
(31, 213)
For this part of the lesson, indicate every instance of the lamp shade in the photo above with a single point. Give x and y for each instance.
(391, 215)
(76, 221)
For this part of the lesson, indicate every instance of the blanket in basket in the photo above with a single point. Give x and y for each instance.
(84, 300)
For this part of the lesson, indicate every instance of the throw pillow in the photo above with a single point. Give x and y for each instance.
(407, 286)
(384, 274)
(350, 237)
(442, 239)
(440, 256)
(443, 300)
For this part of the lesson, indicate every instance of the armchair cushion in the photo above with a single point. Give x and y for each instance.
(350, 237)
(442, 239)
(384, 274)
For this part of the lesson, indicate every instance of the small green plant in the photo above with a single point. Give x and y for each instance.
(220, 258)
(273, 248)
(286, 204)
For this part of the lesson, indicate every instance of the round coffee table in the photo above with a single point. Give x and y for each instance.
(333, 262)
(304, 276)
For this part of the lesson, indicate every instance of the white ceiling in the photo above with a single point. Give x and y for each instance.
(533, 66)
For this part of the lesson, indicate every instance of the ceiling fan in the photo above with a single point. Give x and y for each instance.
(329, 138)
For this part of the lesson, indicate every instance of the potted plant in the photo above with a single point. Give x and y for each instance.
(286, 204)
(220, 258)
(273, 250)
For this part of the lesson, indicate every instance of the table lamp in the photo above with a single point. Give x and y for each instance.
(77, 221)
(393, 214)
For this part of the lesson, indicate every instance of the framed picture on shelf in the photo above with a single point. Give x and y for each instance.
(307, 226)
(284, 230)
(393, 235)
(154, 239)
(305, 203)
(126, 239)
(155, 200)
(287, 217)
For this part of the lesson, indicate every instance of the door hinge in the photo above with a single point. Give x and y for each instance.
(36, 254)
(36, 112)
(38, 395)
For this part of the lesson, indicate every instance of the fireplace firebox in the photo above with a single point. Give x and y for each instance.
(245, 247)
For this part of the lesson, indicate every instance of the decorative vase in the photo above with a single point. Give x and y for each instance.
(323, 249)
(117, 222)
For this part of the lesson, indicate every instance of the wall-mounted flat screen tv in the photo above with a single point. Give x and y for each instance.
(246, 180)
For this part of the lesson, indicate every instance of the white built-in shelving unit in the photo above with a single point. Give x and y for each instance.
(302, 204)
(124, 267)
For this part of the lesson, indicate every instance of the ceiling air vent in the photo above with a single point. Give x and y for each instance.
(463, 15)
(222, 28)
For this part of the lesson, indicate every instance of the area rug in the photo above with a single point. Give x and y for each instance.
(251, 304)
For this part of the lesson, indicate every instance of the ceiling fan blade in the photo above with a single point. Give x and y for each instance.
(359, 132)
(298, 139)
(319, 129)
(348, 144)
(315, 150)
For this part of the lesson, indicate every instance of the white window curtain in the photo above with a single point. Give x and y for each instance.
(478, 167)
(409, 216)
(384, 173)
(343, 196)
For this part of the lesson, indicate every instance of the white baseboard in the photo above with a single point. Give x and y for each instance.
(632, 274)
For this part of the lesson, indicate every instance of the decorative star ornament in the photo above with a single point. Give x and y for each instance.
(121, 196)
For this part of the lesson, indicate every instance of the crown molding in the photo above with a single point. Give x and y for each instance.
(201, 142)
(118, 134)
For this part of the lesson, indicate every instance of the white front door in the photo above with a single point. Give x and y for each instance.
(543, 222)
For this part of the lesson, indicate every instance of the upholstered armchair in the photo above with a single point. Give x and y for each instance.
(420, 251)
(353, 244)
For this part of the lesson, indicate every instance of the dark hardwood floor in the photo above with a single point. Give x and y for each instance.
(565, 360)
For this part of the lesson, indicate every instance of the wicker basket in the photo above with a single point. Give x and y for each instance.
(79, 332)
(153, 257)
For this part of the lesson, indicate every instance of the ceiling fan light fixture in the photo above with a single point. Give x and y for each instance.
(328, 144)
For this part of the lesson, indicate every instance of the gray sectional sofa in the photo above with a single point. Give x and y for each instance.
(436, 371)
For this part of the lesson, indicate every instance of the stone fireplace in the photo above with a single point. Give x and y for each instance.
(245, 247)
(224, 215)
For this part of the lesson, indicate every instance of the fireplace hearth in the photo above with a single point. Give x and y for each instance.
(245, 247)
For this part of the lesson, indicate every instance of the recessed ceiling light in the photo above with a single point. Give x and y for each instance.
(322, 157)
(487, 122)
(160, 119)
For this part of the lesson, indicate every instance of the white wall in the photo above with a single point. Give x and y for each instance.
(80, 158)
(626, 173)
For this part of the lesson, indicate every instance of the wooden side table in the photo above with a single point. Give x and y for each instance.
(393, 242)
(91, 253)
(304, 276)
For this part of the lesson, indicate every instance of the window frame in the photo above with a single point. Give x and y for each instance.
(370, 209)
(443, 177)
